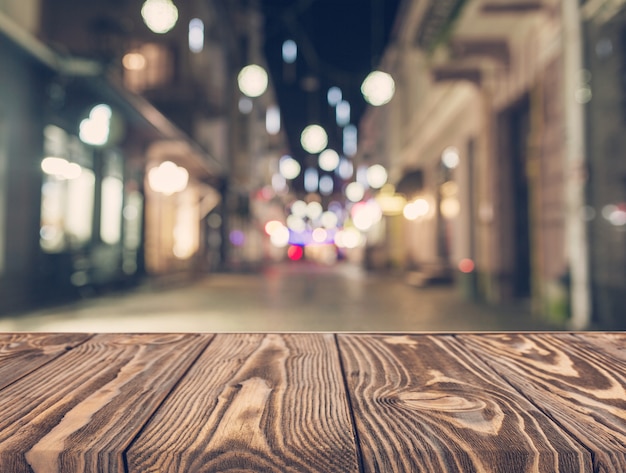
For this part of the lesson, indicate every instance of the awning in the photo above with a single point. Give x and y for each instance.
(411, 183)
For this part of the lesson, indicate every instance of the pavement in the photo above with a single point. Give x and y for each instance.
(285, 297)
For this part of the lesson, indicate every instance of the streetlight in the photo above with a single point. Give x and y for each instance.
(159, 15)
(313, 139)
(252, 80)
(378, 88)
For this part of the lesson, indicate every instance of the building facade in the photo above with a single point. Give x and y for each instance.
(124, 153)
(488, 138)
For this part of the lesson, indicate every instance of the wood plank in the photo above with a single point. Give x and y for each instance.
(80, 411)
(22, 353)
(271, 403)
(579, 387)
(612, 343)
(425, 404)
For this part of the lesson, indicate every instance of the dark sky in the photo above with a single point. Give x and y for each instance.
(339, 43)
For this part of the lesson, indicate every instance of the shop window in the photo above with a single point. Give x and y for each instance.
(187, 226)
(133, 216)
(111, 210)
(67, 193)
(149, 66)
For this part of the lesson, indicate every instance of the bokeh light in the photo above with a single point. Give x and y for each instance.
(298, 208)
(348, 238)
(342, 113)
(313, 139)
(295, 253)
(345, 170)
(450, 157)
(196, 35)
(311, 180)
(319, 235)
(450, 207)
(328, 160)
(272, 226)
(355, 191)
(329, 219)
(159, 15)
(466, 265)
(272, 120)
(365, 215)
(378, 88)
(237, 237)
(134, 61)
(288, 167)
(376, 176)
(168, 178)
(60, 168)
(327, 185)
(334, 96)
(296, 223)
(252, 80)
(280, 236)
(417, 208)
(290, 51)
(314, 210)
(94, 130)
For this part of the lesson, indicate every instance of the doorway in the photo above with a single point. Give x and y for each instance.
(515, 129)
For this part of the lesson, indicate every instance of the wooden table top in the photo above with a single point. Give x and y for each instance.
(313, 402)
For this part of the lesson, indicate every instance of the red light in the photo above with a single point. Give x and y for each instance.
(295, 253)
(466, 265)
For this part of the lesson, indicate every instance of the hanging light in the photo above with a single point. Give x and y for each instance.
(313, 139)
(376, 176)
(252, 80)
(378, 88)
(159, 15)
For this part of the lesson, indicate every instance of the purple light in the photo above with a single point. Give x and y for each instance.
(237, 237)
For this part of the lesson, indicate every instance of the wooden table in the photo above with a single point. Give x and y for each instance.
(323, 402)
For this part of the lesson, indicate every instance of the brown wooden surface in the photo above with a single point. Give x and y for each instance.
(314, 402)
(576, 383)
(22, 353)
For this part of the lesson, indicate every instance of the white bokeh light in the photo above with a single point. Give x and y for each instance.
(314, 210)
(342, 113)
(376, 176)
(94, 130)
(329, 219)
(328, 160)
(168, 178)
(288, 167)
(355, 191)
(450, 157)
(314, 139)
(378, 88)
(159, 15)
(290, 51)
(280, 237)
(327, 185)
(298, 208)
(252, 80)
(414, 210)
(196, 35)
(334, 96)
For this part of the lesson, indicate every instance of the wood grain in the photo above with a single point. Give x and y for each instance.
(271, 403)
(613, 344)
(575, 383)
(22, 353)
(80, 411)
(425, 404)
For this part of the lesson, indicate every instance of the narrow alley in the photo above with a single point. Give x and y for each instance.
(283, 297)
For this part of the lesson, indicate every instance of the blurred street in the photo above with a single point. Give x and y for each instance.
(284, 297)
